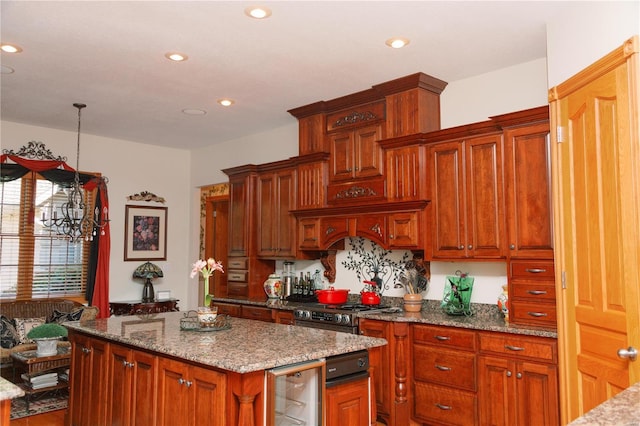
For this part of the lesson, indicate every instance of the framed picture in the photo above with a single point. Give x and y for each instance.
(145, 233)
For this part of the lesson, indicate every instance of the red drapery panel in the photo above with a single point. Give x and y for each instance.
(101, 287)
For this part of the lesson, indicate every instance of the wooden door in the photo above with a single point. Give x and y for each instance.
(368, 154)
(239, 211)
(207, 397)
(406, 180)
(380, 365)
(79, 378)
(348, 404)
(597, 203)
(267, 212)
(172, 392)
(285, 238)
(536, 393)
(95, 410)
(144, 387)
(120, 388)
(484, 201)
(447, 198)
(528, 191)
(341, 156)
(496, 391)
(217, 238)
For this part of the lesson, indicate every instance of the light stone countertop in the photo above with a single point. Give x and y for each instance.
(247, 346)
(485, 316)
(621, 410)
(8, 390)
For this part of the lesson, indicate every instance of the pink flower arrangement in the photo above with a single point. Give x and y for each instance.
(206, 269)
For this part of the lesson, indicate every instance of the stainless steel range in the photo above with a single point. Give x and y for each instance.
(333, 317)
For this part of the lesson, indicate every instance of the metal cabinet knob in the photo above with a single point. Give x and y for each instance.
(519, 375)
(630, 353)
(461, 247)
(470, 247)
(508, 373)
(512, 247)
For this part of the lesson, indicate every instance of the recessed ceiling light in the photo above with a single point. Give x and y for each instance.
(10, 48)
(226, 102)
(176, 57)
(258, 12)
(194, 111)
(6, 70)
(397, 42)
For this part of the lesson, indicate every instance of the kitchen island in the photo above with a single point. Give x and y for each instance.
(226, 365)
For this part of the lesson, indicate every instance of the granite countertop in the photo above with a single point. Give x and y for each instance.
(485, 316)
(622, 409)
(8, 390)
(247, 346)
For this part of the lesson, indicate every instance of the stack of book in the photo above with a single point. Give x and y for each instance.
(41, 380)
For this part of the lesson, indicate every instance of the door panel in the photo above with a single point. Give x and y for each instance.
(596, 192)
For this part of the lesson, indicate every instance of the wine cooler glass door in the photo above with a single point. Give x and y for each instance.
(295, 394)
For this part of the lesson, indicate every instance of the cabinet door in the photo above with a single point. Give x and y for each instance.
(285, 237)
(528, 191)
(79, 378)
(172, 392)
(283, 317)
(238, 211)
(93, 408)
(484, 203)
(496, 390)
(309, 234)
(403, 230)
(380, 364)
(373, 227)
(348, 404)
(342, 153)
(333, 229)
(144, 383)
(120, 388)
(207, 397)
(447, 198)
(312, 185)
(537, 391)
(368, 154)
(267, 214)
(405, 173)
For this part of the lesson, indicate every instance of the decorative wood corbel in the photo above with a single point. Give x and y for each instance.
(328, 260)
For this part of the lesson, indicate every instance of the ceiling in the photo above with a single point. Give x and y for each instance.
(110, 55)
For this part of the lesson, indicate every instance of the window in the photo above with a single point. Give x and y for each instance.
(35, 262)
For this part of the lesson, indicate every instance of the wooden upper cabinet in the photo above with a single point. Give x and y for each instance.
(312, 182)
(412, 111)
(405, 173)
(311, 134)
(276, 226)
(355, 154)
(528, 191)
(466, 197)
(240, 189)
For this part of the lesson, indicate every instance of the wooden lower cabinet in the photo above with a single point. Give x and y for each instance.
(190, 395)
(444, 375)
(283, 317)
(514, 389)
(380, 366)
(231, 309)
(256, 313)
(348, 404)
(132, 389)
(88, 371)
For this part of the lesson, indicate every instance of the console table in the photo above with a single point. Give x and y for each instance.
(134, 307)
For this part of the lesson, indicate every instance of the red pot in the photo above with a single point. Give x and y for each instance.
(332, 296)
(370, 298)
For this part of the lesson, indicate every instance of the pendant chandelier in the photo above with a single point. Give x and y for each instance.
(74, 221)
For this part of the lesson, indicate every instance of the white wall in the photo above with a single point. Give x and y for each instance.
(587, 32)
(131, 168)
(506, 90)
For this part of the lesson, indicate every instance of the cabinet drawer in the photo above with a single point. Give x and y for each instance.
(536, 314)
(445, 337)
(441, 404)
(237, 289)
(228, 309)
(533, 269)
(256, 313)
(533, 290)
(239, 276)
(529, 347)
(237, 263)
(444, 366)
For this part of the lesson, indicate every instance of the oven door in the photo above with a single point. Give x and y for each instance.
(327, 326)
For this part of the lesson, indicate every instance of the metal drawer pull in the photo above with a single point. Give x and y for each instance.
(537, 314)
(443, 407)
(514, 348)
(442, 338)
(443, 368)
(535, 270)
(537, 292)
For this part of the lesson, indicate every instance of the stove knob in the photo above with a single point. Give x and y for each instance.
(297, 313)
(337, 318)
(346, 320)
(306, 315)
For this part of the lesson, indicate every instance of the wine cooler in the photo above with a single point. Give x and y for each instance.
(295, 394)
